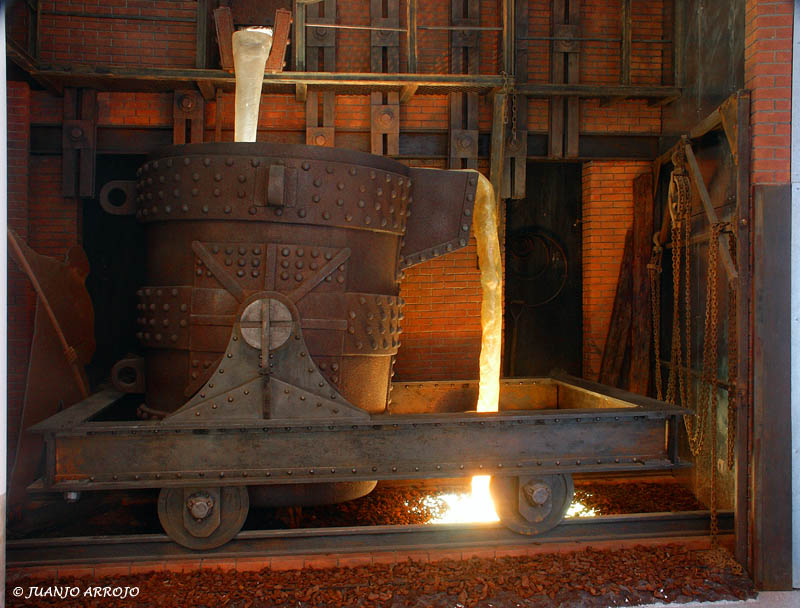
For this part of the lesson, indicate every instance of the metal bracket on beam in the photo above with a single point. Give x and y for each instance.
(320, 134)
(78, 142)
(188, 117)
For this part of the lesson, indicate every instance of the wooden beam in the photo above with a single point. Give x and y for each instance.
(678, 40)
(626, 24)
(771, 457)
(744, 390)
(407, 92)
(641, 313)
(223, 22)
(498, 144)
(708, 207)
(299, 41)
(708, 124)
(599, 91)
(508, 36)
(411, 20)
(619, 330)
(206, 90)
(201, 35)
(24, 61)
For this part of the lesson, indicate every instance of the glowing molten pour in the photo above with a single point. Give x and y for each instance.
(484, 225)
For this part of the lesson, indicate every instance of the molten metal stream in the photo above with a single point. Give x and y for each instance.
(484, 225)
(250, 51)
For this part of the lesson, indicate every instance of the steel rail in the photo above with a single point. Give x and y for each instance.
(357, 539)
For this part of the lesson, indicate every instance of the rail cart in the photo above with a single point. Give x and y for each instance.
(548, 429)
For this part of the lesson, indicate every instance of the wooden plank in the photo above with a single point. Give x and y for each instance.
(641, 315)
(744, 323)
(728, 114)
(411, 20)
(223, 21)
(280, 38)
(407, 92)
(708, 124)
(508, 36)
(498, 144)
(555, 131)
(619, 330)
(678, 37)
(299, 40)
(206, 90)
(201, 35)
(626, 25)
(708, 207)
(572, 118)
(772, 476)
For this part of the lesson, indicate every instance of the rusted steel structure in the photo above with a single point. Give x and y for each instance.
(270, 236)
(269, 322)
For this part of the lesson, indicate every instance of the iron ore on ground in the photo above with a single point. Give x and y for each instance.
(588, 578)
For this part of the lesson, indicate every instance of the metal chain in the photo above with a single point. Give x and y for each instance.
(514, 118)
(733, 358)
(680, 213)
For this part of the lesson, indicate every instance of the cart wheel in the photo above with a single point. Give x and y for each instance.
(203, 518)
(534, 504)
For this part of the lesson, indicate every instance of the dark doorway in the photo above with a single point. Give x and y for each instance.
(114, 245)
(543, 273)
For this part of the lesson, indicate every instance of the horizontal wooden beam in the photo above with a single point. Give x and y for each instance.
(427, 144)
(600, 91)
(140, 78)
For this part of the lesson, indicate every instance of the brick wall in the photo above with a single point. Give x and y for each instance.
(118, 32)
(54, 220)
(21, 298)
(607, 215)
(442, 324)
(768, 74)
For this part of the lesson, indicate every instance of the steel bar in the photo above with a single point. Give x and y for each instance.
(267, 543)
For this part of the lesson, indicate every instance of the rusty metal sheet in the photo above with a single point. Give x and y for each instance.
(443, 222)
(51, 380)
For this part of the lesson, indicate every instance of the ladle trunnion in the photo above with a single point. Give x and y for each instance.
(270, 321)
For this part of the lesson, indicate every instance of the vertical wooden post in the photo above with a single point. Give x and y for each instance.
(641, 324)
(572, 123)
(625, 49)
(411, 14)
(555, 137)
(498, 144)
(772, 447)
(508, 36)
(201, 35)
(678, 37)
(516, 152)
(744, 324)
(299, 37)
